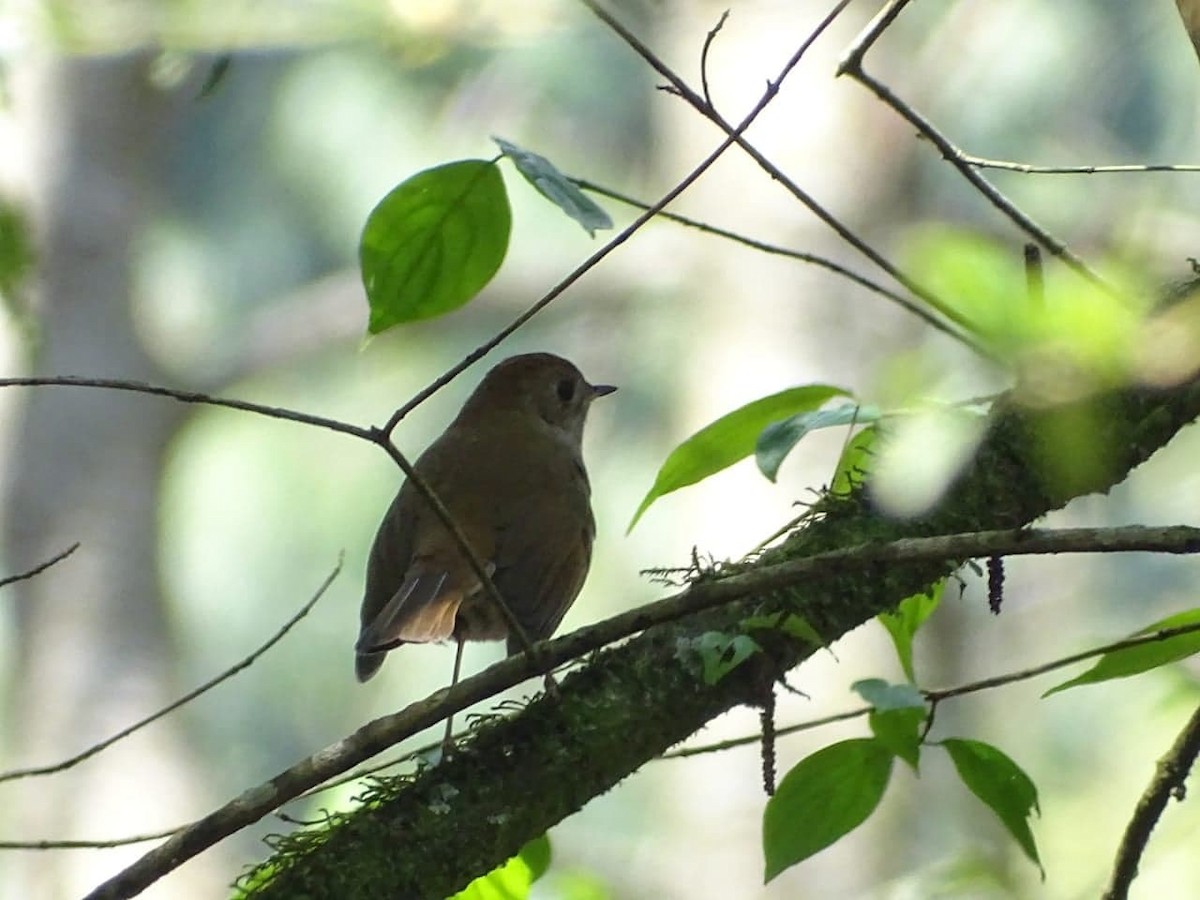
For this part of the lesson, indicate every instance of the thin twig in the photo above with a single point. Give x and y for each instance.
(104, 844)
(1026, 169)
(936, 697)
(139, 387)
(681, 89)
(40, 568)
(708, 40)
(899, 299)
(617, 240)
(852, 65)
(245, 663)
(1168, 781)
(381, 437)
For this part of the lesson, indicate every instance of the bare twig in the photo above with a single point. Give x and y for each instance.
(852, 65)
(936, 697)
(708, 40)
(40, 567)
(195, 397)
(617, 240)
(1168, 781)
(103, 844)
(381, 437)
(185, 699)
(681, 89)
(380, 734)
(899, 299)
(980, 162)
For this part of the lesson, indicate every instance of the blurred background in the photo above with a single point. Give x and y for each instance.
(203, 235)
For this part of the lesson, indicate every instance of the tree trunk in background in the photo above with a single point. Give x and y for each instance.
(93, 651)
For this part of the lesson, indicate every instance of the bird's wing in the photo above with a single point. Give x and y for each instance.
(541, 570)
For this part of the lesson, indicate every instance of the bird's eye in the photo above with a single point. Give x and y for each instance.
(566, 390)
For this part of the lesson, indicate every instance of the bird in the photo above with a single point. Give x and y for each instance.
(509, 470)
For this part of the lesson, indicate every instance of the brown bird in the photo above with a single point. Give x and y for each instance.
(509, 469)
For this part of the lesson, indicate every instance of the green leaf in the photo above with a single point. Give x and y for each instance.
(1143, 657)
(719, 653)
(855, 461)
(777, 439)
(904, 623)
(557, 187)
(899, 730)
(824, 797)
(791, 624)
(434, 242)
(512, 880)
(729, 439)
(536, 855)
(16, 247)
(1002, 786)
(883, 695)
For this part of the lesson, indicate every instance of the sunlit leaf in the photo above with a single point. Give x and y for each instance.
(777, 439)
(729, 439)
(536, 855)
(512, 880)
(1142, 657)
(855, 461)
(433, 242)
(1002, 786)
(899, 730)
(557, 188)
(906, 621)
(824, 797)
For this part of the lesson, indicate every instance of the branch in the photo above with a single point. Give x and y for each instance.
(40, 567)
(681, 89)
(194, 397)
(1168, 781)
(380, 437)
(91, 751)
(620, 238)
(852, 65)
(961, 690)
(900, 300)
(633, 702)
(980, 162)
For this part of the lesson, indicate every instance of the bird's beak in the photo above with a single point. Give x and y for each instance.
(599, 390)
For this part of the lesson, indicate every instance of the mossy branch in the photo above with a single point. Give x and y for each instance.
(429, 836)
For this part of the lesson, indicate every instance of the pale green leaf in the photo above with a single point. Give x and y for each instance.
(1142, 657)
(556, 187)
(904, 623)
(729, 439)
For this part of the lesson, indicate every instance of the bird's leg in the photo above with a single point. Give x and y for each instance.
(447, 741)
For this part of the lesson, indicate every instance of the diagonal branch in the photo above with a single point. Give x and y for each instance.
(1168, 781)
(40, 567)
(679, 87)
(631, 703)
(852, 65)
(241, 665)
